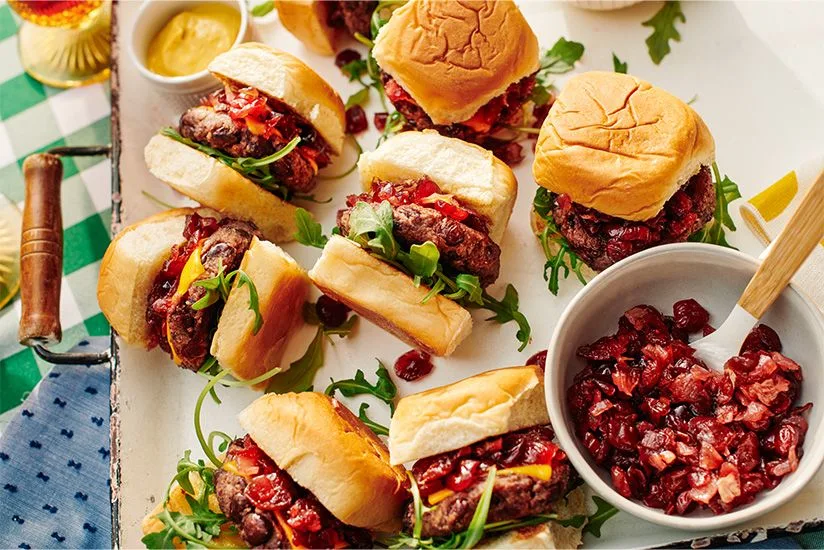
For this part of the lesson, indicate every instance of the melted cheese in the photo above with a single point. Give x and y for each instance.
(438, 496)
(537, 471)
(191, 271)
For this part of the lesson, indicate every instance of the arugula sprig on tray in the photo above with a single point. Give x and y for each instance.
(384, 389)
(559, 59)
(561, 260)
(372, 226)
(663, 24)
(726, 191)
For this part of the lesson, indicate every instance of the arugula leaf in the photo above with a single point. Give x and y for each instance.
(310, 232)
(263, 8)
(384, 389)
(562, 261)
(507, 310)
(395, 122)
(475, 531)
(422, 260)
(618, 65)
(218, 288)
(663, 23)
(254, 301)
(382, 13)
(472, 286)
(540, 95)
(371, 424)
(726, 191)
(561, 57)
(604, 511)
(256, 170)
(365, 219)
(354, 69)
(302, 371)
(361, 97)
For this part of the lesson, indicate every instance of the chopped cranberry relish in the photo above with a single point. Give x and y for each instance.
(677, 435)
(272, 490)
(460, 469)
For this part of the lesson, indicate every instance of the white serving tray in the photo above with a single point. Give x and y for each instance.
(756, 71)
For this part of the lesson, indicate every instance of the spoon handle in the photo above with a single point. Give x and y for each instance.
(796, 241)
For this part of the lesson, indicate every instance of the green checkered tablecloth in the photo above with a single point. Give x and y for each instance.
(34, 118)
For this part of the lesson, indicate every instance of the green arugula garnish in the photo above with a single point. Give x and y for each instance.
(218, 287)
(382, 14)
(310, 232)
(617, 65)
(663, 23)
(372, 227)
(604, 511)
(559, 59)
(257, 170)
(384, 389)
(198, 528)
(561, 260)
(301, 373)
(378, 429)
(264, 8)
(358, 151)
(726, 191)
(395, 122)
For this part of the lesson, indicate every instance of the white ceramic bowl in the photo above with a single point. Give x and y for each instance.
(661, 276)
(150, 19)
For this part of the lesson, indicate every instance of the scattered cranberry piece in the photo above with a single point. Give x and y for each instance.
(538, 359)
(510, 152)
(379, 119)
(331, 312)
(356, 120)
(689, 315)
(305, 515)
(413, 364)
(345, 57)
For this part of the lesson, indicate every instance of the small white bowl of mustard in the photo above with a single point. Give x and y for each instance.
(173, 42)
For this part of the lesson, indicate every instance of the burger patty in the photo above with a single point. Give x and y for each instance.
(190, 329)
(513, 497)
(357, 16)
(218, 130)
(256, 527)
(463, 248)
(601, 240)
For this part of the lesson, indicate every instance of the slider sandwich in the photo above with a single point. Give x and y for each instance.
(464, 69)
(422, 240)
(308, 474)
(486, 438)
(623, 166)
(257, 143)
(322, 24)
(198, 286)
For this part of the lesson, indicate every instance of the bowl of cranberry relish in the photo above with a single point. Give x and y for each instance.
(657, 433)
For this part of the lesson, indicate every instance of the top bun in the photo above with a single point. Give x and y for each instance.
(617, 144)
(453, 57)
(328, 451)
(450, 417)
(286, 78)
(306, 19)
(471, 173)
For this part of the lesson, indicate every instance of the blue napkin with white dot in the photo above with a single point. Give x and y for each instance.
(54, 464)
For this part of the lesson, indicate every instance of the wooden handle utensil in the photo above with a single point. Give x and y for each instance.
(41, 251)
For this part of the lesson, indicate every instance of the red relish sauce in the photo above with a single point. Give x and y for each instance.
(413, 365)
(458, 470)
(676, 435)
(273, 490)
(161, 298)
(499, 113)
(272, 119)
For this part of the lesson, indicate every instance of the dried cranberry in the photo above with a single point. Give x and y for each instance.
(760, 338)
(463, 476)
(510, 152)
(538, 359)
(413, 364)
(305, 515)
(271, 491)
(346, 56)
(356, 120)
(379, 120)
(331, 312)
(689, 315)
(620, 481)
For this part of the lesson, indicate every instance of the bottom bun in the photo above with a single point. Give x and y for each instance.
(550, 535)
(389, 298)
(282, 287)
(213, 184)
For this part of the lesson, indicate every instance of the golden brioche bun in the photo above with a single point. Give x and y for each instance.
(471, 173)
(389, 298)
(306, 19)
(129, 268)
(213, 184)
(453, 57)
(286, 78)
(617, 144)
(134, 259)
(282, 287)
(453, 416)
(331, 453)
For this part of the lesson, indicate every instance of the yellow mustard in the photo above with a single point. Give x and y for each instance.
(192, 38)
